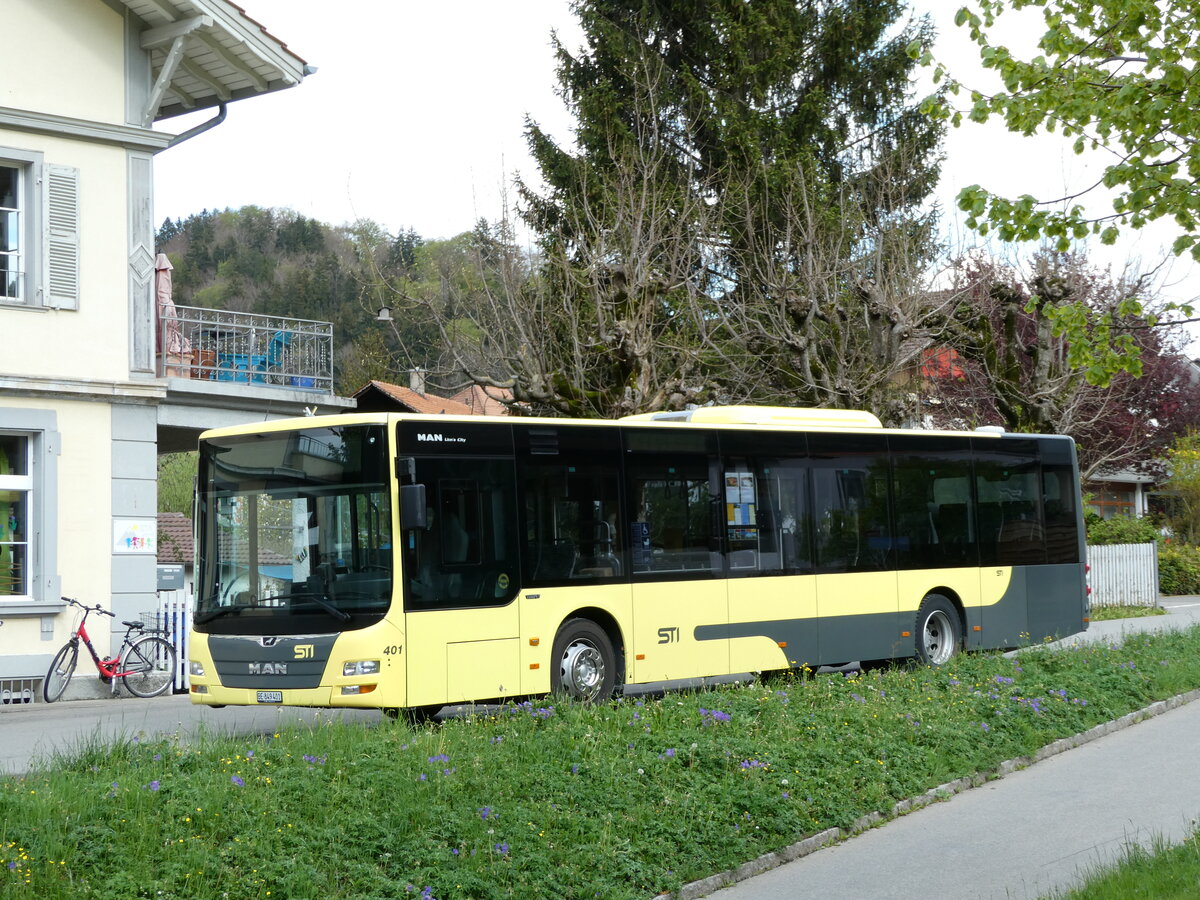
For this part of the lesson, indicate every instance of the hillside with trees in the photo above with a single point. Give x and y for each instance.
(280, 263)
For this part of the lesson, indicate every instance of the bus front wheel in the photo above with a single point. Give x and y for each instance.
(584, 664)
(939, 631)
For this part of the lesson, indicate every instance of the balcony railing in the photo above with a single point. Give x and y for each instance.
(245, 348)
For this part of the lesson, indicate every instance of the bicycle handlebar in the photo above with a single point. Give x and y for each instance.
(97, 608)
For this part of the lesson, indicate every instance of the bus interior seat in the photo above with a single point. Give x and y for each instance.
(951, 522)
(556, 560)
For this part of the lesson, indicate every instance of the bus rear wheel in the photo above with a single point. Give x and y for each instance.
(939, 631)
(584, 664)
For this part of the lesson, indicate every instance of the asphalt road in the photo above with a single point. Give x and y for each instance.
(30, 735)
(1022, 836)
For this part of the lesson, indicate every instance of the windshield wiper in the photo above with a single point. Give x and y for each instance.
(201, 618)
(340, 614)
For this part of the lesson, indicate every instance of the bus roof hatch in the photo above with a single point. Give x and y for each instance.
(765, 415)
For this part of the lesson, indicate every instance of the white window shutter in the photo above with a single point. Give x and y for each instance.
(61, 258)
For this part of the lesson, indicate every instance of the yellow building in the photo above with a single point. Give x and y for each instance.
(87, 397)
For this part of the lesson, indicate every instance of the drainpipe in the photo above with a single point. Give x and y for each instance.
(199, 129)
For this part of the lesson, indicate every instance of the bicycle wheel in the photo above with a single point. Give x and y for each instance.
(60, 672)
(148, 666)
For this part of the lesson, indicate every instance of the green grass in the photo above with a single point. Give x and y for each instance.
(1103, 613)
(1162, 872)
(550, 799)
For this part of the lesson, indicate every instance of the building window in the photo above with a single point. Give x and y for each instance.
(1113, 498)
(29, 447)
(39, 232)
(16, 489)
(12, 236)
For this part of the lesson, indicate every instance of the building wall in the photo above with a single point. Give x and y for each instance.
(90, 343)
(134, 500)
(76, 559)
(82, 377)
(64, 58)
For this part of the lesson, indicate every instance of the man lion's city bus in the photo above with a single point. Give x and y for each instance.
(410, 562)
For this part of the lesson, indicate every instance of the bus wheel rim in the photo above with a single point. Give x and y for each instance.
(938, 638)
(582, 670)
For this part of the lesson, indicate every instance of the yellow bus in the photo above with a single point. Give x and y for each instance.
(411, 562)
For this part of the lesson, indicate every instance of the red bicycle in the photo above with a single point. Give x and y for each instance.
(144, 662)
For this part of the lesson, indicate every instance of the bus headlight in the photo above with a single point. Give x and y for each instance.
(195, 668)
(361, 667)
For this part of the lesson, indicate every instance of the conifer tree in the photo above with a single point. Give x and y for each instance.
(717, 143)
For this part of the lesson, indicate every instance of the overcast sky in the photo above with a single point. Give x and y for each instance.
(415, 119)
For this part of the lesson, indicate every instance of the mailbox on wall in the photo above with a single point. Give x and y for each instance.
(170, 578)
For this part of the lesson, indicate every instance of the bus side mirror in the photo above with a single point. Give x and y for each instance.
(412, 506)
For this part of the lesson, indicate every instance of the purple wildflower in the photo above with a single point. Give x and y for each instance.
(154, 785)
(237, 781)
(502, 848)
(486, 813)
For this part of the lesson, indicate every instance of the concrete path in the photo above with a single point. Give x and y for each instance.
(1030, 833)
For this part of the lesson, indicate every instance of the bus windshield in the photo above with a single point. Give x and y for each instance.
(296, 532)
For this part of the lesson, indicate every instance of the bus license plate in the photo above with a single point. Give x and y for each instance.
(270, 696)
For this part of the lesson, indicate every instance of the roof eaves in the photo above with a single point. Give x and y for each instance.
(229, 57)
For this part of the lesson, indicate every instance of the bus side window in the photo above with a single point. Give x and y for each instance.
(674, 496)
(786, 523)
(1060, 501)
(466, 556)
(570, 488)
(1008, 486)
(852, 515)
(934, 507)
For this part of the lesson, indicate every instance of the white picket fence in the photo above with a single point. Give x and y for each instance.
(175, 619)
(1124, 574)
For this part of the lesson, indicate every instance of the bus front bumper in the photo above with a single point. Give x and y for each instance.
(362, 696)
